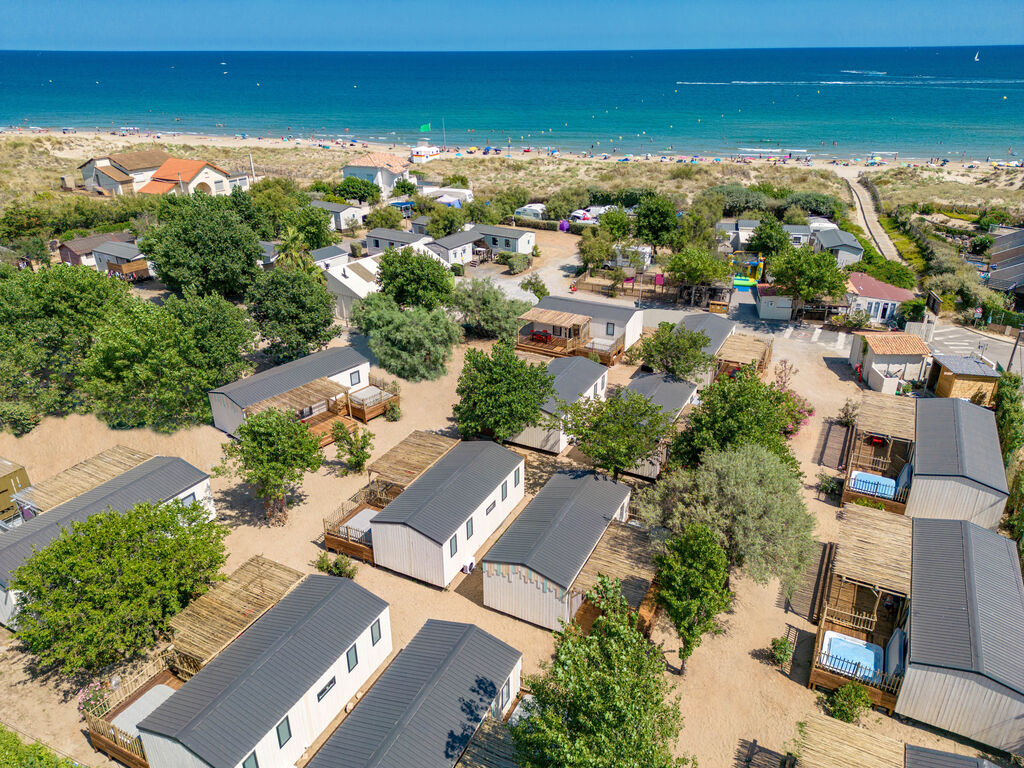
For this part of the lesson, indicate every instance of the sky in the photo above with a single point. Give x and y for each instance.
(475, 25)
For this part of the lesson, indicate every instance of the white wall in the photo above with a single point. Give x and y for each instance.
(401, 549)
(345, 377)
(955, 498)
(216, 181)
(964, 703)
(555, 440)
(8, 607)
(878, 309)
(905, 366)
(774, 307)
(845, 258)
(379, 245)
(227, 416)
(307, 718)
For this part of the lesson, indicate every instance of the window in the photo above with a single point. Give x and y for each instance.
(376, 243)
(604, 380)
(326, 689)
(453, 546)
(284, 732)
(515, 478)
(506, 693)
(353, 378)
(250, 761)
(469, 529)
(490, 507)
(352, 657)
(190, 499)
(597, 388)
(504, 490)
(375, 632)
(494, 241)
(508, 243)
(609, 329)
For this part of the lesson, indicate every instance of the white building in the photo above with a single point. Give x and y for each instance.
(608, 320)
(457, 248)
(670, 394)
(436, 526)
(624, 255)
(880, 300)
(886, 360)
(264, 700)
(841, 244)
(428, 704)
(536, 211)
(424, 154)
(772, 305)
(122, 173)
(341, 365)
(575, 379)
(530, 571)
(183, 177)
(382, 169)
(116, 258)
(380, 239)
(506, 239)
(349, 281)
(158, 479)
(343, 215)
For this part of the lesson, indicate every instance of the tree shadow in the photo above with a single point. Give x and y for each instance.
(474, 709)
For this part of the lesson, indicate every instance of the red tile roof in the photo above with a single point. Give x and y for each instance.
(186, 170)
(896, 344)
(871, 288)
(381, 160)
(156, 187)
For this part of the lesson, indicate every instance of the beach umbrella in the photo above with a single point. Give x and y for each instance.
(473, 149)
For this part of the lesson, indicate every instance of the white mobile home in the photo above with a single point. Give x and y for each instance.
(380, 239)
(264, 700)
(624, 256)
(343, 366)
(343, 215)
(772, 305)
(159, 479)
(841, 244)
(382, 169)
(456, 248)
(956, 471)
(575, 379)
(535, 211)
(965, 640)
(608, 320)
(436, 526)
(530, 571)
(427, 705)
(672, 395)
(351, 281)
(500, 239)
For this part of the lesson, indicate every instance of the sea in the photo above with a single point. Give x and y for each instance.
(829, 103)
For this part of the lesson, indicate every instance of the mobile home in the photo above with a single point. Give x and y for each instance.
(575, 379)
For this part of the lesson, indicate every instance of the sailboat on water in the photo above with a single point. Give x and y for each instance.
(976, 55)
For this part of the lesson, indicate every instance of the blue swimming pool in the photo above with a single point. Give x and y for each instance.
(876, 485)
(853, 657)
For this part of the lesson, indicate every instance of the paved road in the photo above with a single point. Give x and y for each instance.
(957, 340)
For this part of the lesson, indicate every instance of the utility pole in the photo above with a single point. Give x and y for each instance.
(1016, 343)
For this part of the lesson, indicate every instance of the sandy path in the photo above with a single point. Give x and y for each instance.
(866, 215)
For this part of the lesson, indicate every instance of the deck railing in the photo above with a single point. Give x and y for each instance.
(890, 683)
(851, 619)
(334, 527)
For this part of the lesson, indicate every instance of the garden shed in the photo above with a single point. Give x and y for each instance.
(531, 571)
(957, 467)
(964, 377)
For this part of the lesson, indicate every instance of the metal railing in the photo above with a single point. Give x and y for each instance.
(890, 683)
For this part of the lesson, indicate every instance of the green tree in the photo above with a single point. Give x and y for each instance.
(414, 343)
(293, 311)
(500, 394)
(355, 447)
(603, 700)
(314, 224)
(444, 221)
(697, 266)
(507, 199)
(458, 180)
(565, 201)
(794, 215)
(1009, 416)
(105, 588)
(693, 585)
(596, 248)
(752, 502)
(384, 217)
(404, 187)
(293, 248)
(617, 224)
(275, 201)
(914, 309)
(676, 351)
(735, 411)
(485, 310)
(358, 189)
(414, 279)
(483, 211)
(202, 243)
(807, 274)
(655, 220)
(535, 284)
(616, 433)
(33, 249)
(769, 239)
(16, 754)
(273, 453)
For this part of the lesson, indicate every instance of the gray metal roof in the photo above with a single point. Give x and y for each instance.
(835, 238)
(222, 712)
(966, 366)
(396, 235)
(670, 393)
(269, 251)
(329, 206)
(557, 532)
(572, 377)
(117, 249)
(157, 480)
(966, 601)
(424, 220)
(442, 498)
(260, 386)
(956, 438)
(427, 705)
(600, 311)
(457, 239)
(494, 231)
(327, 252)
(715, 327)
(922, 757)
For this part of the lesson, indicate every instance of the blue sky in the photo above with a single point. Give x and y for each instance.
(375, 25)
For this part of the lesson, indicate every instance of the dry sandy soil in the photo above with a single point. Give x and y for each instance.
(727, 695)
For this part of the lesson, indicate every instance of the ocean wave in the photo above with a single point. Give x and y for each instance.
(697, 82)
(861, 72)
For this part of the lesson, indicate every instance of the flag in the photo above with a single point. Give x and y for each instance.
(425, 127)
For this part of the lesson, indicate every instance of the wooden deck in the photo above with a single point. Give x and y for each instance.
(557, 347)
(490, 747)
(345, 539)
(322, 426)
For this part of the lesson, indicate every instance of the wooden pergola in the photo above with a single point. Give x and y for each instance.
(880, 443)
(573, 332)
(888, 416)
(410, 458)
(84, 476)
(214, 619)
(321, 390)
(825, 742)
(744, 349)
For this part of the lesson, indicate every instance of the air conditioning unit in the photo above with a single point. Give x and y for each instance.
(468, 567)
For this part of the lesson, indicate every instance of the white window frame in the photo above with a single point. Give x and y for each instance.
(375, 633)
(328, 686)
(504, 489)
(469, 529)
(288, 727)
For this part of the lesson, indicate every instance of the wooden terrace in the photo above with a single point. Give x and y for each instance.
(347, 531)
(866, 591)
(565, 334)
(744, 349)
(320, 404)
(880, 443)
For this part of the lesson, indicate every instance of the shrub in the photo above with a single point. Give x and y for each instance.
(848, 413)
(517, 262)
(869, 503)
(458, 270)
(16, 754)
(356, 250)
(341, 566)
(849, 702)
(392, 412)
(782, 649)
(535, 284)
(829, 485)
(854, 320)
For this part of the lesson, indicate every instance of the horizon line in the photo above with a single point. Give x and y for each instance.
(520, 50)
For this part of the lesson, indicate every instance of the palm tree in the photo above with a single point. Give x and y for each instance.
(294, 254)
